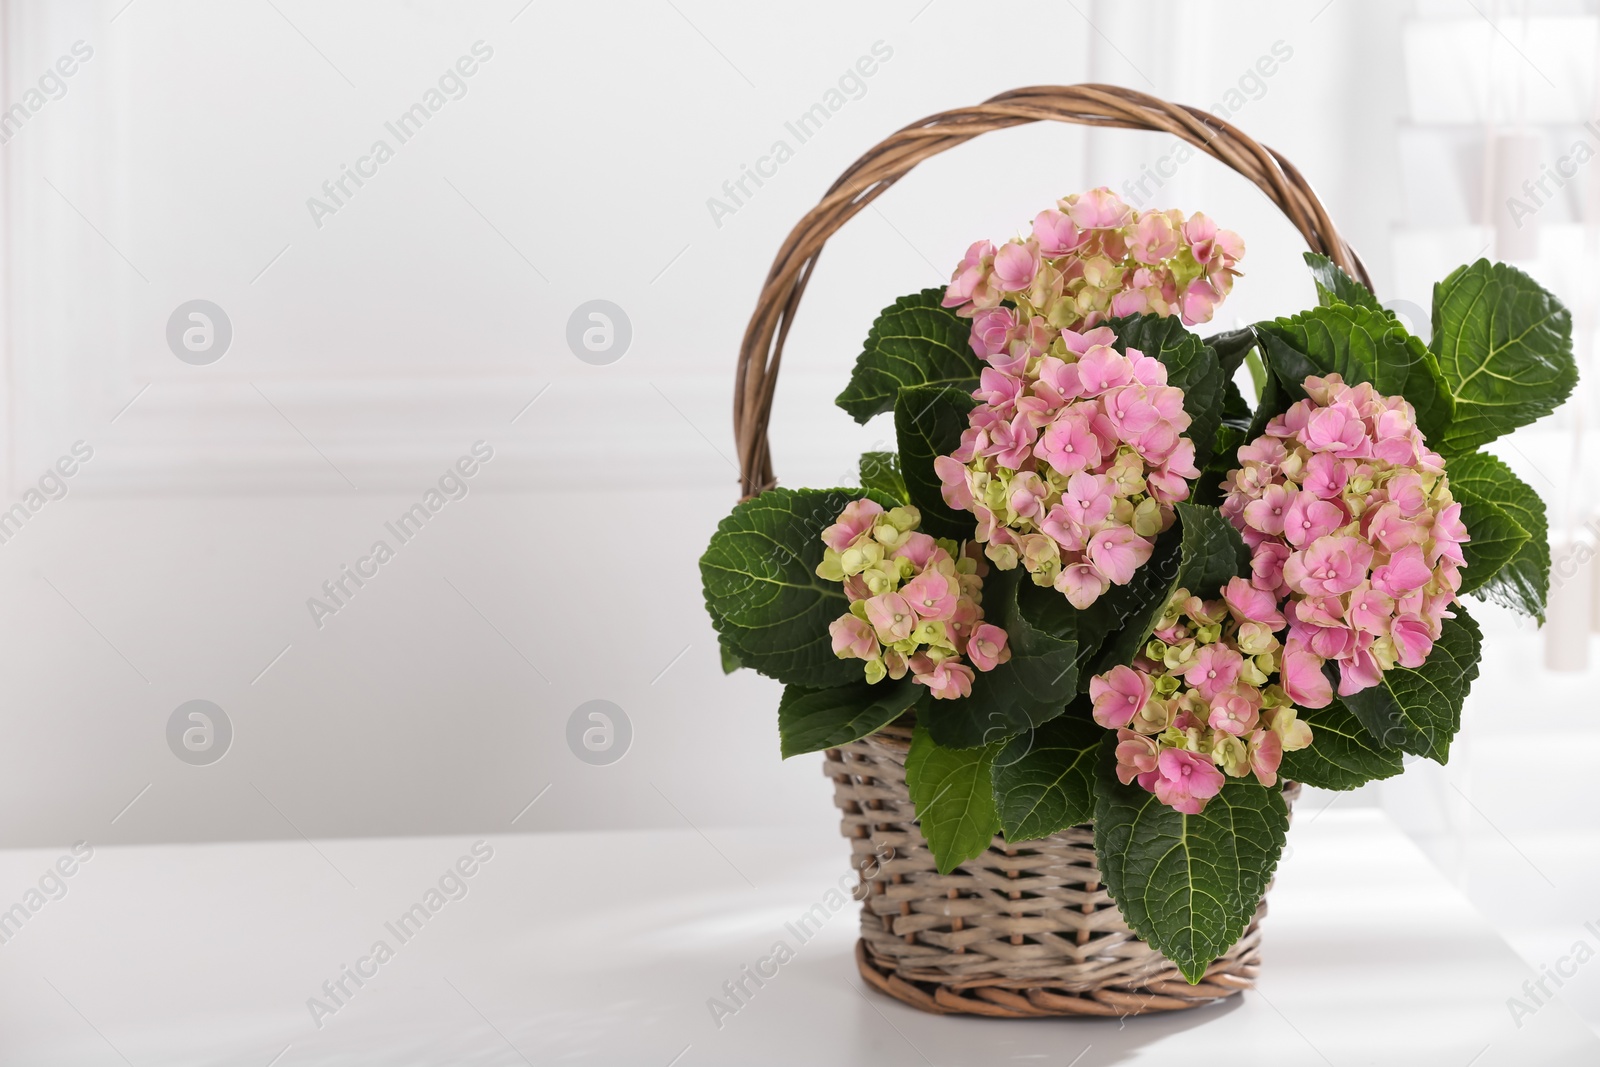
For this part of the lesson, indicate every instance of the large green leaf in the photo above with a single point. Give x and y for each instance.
(1496, 505)
(1334, 286)
(914, 341)
(770, 609)
(1342, 754)
(881, 471)
(1361, 345)
(1030, 689)
(1044, 779)
(810, 720)
(928, 422)
(1504, 347)
(953, 790)
(1420, 710)
(1210, 552)
(1191, 366)
(1187, 884)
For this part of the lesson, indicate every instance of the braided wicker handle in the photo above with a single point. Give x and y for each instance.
(761, 352)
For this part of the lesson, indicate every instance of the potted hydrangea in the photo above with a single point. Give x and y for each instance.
(1072, 643)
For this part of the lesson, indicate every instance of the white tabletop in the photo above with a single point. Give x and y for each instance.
(605, 948)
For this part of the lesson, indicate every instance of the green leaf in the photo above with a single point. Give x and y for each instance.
(1342, 754)
(1504, 347)
(1210, 552)
(881, 471)
(1191, 366)
(1231, 347)
(1187, 884)
(1420, 710)
(770, 609)
(1361, 345)
(928, 422)
(730, 659)
(1492, 497)
(953, 790)
(810, 720)
(1044, 779)
(914, 341)
(1334, 286)
(1028, 690)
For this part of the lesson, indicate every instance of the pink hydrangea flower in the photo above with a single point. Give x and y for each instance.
(1057, 399)
(922, 622)
(1369, 556)
(987, 647)
(1185, 780)
(1119, 695)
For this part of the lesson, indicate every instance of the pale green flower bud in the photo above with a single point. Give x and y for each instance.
(1180, 657)
(931, 632)
(1209, 634)
(858, 558)
(1230, 754)
(1154, 717)
(1002, 556)
(1251, 674)
(1156, 650)
(1147, 518)
(904, 518)
(1254, 638)
(831, 569)
(887, 535)
(875, 670)
(1167, 684)
(1273, 696)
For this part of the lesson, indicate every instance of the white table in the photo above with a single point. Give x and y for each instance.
(604, 948)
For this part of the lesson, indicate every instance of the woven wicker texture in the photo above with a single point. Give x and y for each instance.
(761, 351)
(1023, 930)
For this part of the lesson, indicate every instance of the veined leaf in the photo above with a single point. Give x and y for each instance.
(1342, 754)
(953, 791)
(1419, 710)
(810, 720)
(928, 422)
(1495, 506)
(880, 471)
(1504, 347)
(1044, 779)
(1334, 286)
(770, 609)
(914, 341)
(1361, 345)
(1187, 884)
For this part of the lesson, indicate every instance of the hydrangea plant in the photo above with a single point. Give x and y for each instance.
(1107, 587)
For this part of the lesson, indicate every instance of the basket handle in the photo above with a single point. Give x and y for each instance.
(761, 351)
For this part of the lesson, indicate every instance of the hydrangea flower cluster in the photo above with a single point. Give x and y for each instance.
(1093, 257)
(1199, 702)
(915, 602)
(1352, 525)
(1074, 456)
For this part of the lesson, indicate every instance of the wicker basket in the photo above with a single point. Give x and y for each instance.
(1027, 929)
